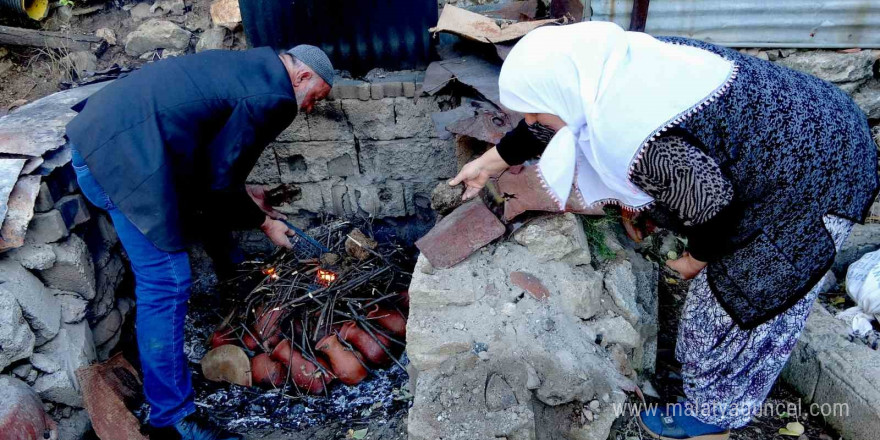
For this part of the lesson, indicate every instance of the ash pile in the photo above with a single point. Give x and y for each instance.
(317, 334)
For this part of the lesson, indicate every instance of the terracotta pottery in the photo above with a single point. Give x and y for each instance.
(402, 300)
(305, 375)
(366, 345)
(223, 336)
(390, 320)
(250, 342)
(267, 372)
(343, 362)
(227, 363)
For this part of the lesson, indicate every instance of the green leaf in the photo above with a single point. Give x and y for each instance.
(793, 429)
(360, 434)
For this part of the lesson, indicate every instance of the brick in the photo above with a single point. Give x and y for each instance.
(328, 123)
(265, 171)
(408, 158)
(409, 89)
(363, 92)
(372, 120)
(377, 91)
(74, 210)
(297, 131)
(74, 270)
(38, 306)
(530, 284)
(45, 201)
(456, 236)
(315, 161)
(346, 89)
(47, 227)
(392, 89)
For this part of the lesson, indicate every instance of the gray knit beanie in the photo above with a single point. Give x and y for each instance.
(316, 59)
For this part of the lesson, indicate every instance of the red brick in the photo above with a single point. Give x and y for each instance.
(531, 284)
(461, 233)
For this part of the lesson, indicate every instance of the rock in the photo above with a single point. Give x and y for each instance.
(45, 202)
(108, 278)
(156, 34)
(80, 62)
(620, 283)
(530, 284)
(141, 12)
(16, 336)
(38, 306)
(34, 256)
(75, 348)
(445, 198)
(226, 13)
(862, 239)
(74, 210)
(107, 34)
(76, 426)
(214, 38)
(616, 330)
(73, 306)
(166, 7)
(358, 245)
(46, 227)
(499, 394)
(22, 415)
(22, 371)
(44, 363)
(833, 66)
(556, 238)
(74, 270)
(107, 328)
(868, 98)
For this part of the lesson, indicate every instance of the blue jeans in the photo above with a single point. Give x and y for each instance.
(162, 283)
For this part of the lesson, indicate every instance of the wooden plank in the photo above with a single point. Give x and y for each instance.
(639, 15)
(55, 40)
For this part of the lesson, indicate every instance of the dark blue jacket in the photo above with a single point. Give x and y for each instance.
(180, 136)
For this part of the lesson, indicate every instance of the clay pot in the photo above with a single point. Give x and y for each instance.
(402, 300)
(305, 375)
(266, 371)
(268, 327)
(367, 346)
(390, 320)
(223, 336)
(343, 362)
(250, 342)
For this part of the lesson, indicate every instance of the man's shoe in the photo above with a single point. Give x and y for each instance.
(192, 429)
(662, 426)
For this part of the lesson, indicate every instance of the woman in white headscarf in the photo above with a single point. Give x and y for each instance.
(764, 169)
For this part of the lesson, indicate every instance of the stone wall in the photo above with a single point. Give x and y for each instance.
(62, 298)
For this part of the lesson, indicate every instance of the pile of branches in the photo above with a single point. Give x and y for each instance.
(332, 308)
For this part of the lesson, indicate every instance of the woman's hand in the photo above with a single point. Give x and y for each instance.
(477, 172)
(628, 220)
(686, 266)
(277, 232)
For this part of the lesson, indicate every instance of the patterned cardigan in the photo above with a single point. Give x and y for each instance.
(785, 150)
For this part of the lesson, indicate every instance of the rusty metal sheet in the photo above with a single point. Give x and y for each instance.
(39, 126)
(444, 119)
(9, 171)
(519, 11)
(480, 28)
(477, 73)
(485, 125)
(436, 77)
(20, 211)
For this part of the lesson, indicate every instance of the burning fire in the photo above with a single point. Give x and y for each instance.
(325, 277)
(271, 272)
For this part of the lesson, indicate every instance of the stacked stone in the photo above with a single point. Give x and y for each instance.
(58, 298)
(369, 150)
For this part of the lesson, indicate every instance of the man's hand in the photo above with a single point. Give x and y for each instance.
(686, 266)
(277, 232)
(477, 172)
(258, 195)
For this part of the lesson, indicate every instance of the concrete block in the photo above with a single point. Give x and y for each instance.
(40, 308)
(45, 201)
(33, 256)
(73, 307)
(347, 88)
(297, 131)
(408, 158)
(16, 336)
(74, 270)
(377, 91)
(316, 198)
(46, 227)
(413, 117)
(392, 89)
(372, 120)
(74, 210)
(74, 344)
(363, 91)
(409, 89)
(328, 123)
(364, 196)
(265, 171)
(315, 161)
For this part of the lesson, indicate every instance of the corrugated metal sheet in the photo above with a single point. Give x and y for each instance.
(757, 23)
(358, 35)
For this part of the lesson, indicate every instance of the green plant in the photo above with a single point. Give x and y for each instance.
(596, 229)
(66, 3)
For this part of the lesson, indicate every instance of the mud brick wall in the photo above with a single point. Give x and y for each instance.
(370, 150)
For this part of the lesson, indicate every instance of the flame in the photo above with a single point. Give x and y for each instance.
(271, 272)
(325, 277)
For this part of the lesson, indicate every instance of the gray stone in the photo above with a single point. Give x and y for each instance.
(265, 171)
(445, 198)
(38, 306)
(107, 34)
(403, 159)
(862, 239)
(44, 363)
(166, 7)
(316, 161)
(413, 117)
(833, 66)
(80, 62)
(214, 38)
(73, 306)
(107, 328)
(141, 12)
(47, 227)
(316, 197)
(556, 238)
(74, 270)
(620, 283)
(868, 98)
(107, 279)
(23, 371)
(74, 210)
(34, 256)
(328, 122)
(74, 349)
(104, 350)
(16, 337)
(45, 201)
(76, 426)
(107, 231)
(372, 120)
(616, 330)
(297, 131)
(156, 34)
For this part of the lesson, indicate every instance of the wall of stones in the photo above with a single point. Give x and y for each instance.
(63, 299)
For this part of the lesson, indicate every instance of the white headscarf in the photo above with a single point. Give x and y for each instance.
(615, 90)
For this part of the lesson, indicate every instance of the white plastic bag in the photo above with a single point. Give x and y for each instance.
(863, 286)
